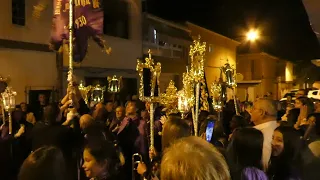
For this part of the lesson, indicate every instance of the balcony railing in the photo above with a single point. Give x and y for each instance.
(164, 50)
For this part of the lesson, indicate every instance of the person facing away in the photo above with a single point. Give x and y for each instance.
(244, 155)
(263, 115)
(193, 158)
(44, 163)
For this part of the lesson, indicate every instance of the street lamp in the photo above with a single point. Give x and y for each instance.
(9, 103)
(252, 35)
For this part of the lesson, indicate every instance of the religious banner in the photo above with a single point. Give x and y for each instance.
(60, 21)
(88, 22)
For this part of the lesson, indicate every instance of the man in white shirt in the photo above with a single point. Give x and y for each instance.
(263, 115)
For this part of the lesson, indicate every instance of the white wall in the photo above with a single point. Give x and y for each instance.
(31, 68)
(28, 68)
(37, 31)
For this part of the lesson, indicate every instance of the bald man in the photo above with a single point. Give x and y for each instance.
(263, 115)
(85, 121)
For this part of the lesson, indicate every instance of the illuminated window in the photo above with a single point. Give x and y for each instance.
(210, 48)
(18, 12)
(116, 18)
(155, 35)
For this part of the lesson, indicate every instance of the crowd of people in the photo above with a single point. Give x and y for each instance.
(69, 140)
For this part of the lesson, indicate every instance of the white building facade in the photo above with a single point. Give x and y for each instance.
(26, 58)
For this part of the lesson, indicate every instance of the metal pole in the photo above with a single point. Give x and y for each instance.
(10, 122)
(71, 38)
(196, 116)
(151, 125)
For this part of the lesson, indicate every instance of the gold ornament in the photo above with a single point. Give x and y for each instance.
(170, 98)
(196, 53)
(155, 70)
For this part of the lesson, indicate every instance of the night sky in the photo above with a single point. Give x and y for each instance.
(284, 24)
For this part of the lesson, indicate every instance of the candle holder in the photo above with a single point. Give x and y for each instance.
(3, 85)
(216, 90)
(114, 84)
(97, 93)
(85, 91)
(9, 103)
(149, 90)
(170, 98)
(183, 105)
(196, 53)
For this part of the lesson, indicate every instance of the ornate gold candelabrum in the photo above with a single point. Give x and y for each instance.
(170, 99)
(149, 68)
(85, 91)
(196, 53)
(9, 103)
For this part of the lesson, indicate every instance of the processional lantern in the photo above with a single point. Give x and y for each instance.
(183, 105)
(9, 103)
(3, 85)
(149, 90)
(85, 91)
(170, 98)
(97, 93)
(216, 91)
(230, 77)
(196, 53)
(114, 84)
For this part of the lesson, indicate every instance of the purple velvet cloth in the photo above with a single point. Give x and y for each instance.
(89, 16)
(252, 173)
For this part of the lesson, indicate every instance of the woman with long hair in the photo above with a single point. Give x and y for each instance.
(286, 155)
(244, 155)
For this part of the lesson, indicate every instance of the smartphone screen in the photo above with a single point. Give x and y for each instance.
(209, 130)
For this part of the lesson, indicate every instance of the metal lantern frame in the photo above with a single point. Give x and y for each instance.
(114, 84)
(9, 103)
(183, 104)
(216, 90)
(85, 91)
(98, 88)
(230, 77)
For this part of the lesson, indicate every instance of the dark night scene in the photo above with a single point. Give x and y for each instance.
(160, 90)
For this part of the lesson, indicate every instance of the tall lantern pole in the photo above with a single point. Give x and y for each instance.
(149, 68)
(70, 73)
(196, 53)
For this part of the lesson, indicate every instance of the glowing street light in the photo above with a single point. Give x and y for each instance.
(252, 35)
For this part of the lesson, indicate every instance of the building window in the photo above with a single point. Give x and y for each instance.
(18, 12)
(116, 18)
(210, 48)
(155, 36)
